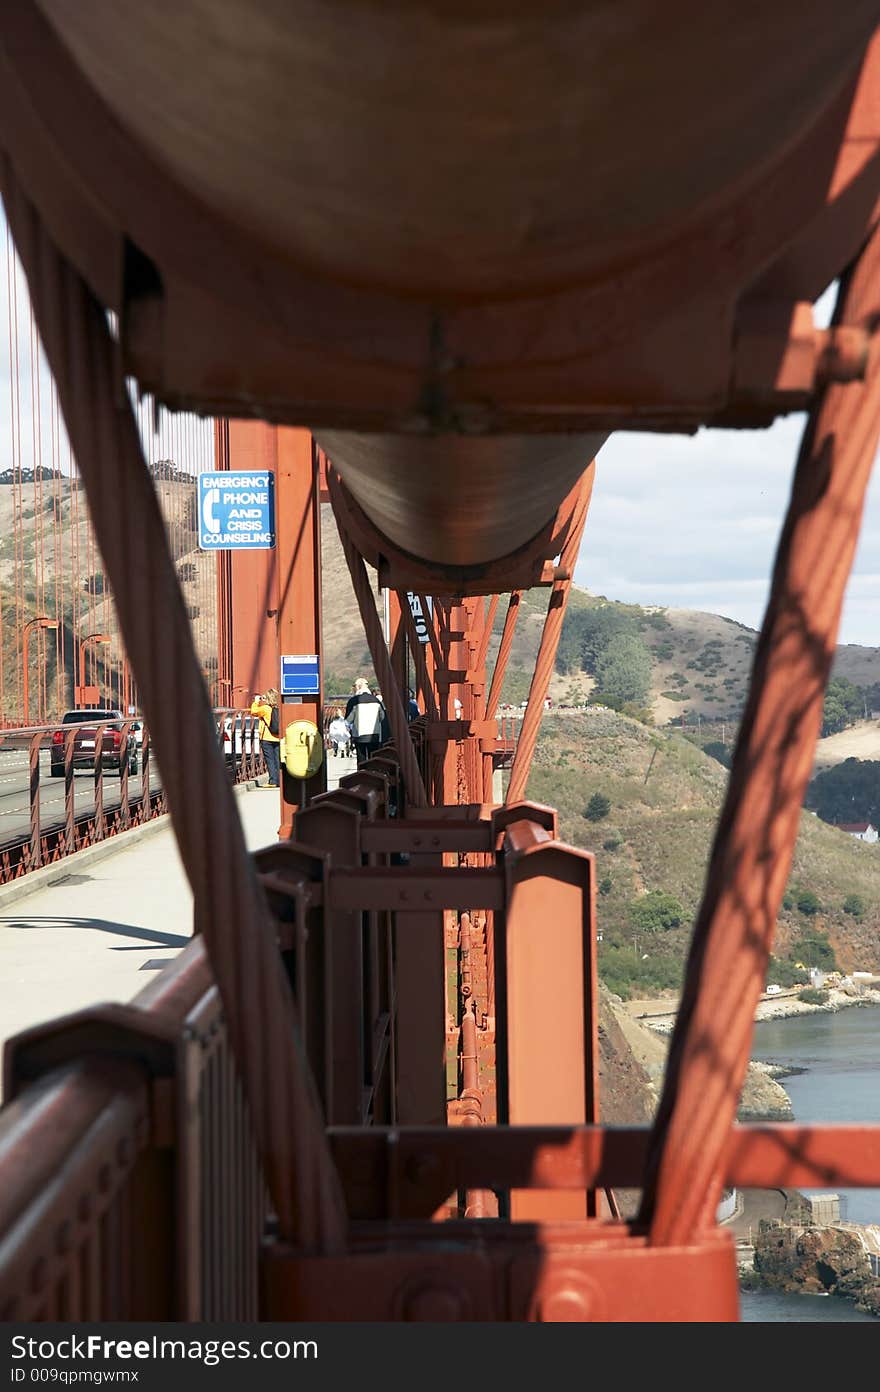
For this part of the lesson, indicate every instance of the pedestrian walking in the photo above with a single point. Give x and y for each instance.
(364, 713)
(339, 733)
(266, 707)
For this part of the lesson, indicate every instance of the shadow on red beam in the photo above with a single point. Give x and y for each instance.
(408, 1172)
(430, 834)
(374, 887)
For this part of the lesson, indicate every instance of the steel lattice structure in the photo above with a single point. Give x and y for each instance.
(439, 347)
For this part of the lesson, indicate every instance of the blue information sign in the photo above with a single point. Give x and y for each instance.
(237, 511)
(299, 675)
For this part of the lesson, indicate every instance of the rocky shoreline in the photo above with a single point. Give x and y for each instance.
(776, 1008)
(790, 1253)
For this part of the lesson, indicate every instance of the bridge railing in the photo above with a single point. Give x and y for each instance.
(40, 827)
(130, 1182)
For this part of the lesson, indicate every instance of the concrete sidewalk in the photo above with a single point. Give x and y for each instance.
(109, 917)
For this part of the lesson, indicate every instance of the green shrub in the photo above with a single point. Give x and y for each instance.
(656, 912)
(807, 903)
(854, 904)
(785, 973)
(811, 996)
(598, 807)
(612, 844)
(605, 885)
(816, 951)
(716, 750)
(628, 973)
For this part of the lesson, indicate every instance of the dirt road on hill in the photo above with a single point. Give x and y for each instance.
(861, 741)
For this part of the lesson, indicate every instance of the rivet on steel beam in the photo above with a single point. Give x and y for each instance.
(563, 1305)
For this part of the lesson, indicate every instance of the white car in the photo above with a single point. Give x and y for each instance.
(249, 736)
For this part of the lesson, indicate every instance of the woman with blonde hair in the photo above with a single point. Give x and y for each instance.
(266, 707)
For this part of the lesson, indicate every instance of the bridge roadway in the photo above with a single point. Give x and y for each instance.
(15, 793)
(91, 928)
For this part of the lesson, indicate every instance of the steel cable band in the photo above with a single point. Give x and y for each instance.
(230, 907)
(397, 718)
(758, 826)
(531, 723)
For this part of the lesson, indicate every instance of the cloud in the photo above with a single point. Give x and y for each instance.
(693, 522)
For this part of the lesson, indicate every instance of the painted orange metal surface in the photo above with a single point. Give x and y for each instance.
(758, 827)
(461, 333)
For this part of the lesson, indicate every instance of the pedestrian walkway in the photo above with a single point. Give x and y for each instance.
(111, 916)
(101, 922)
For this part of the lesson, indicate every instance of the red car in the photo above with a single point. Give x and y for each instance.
(113, 753)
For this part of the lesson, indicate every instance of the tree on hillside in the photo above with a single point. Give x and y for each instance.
(844, 705)
(600, 627)
(568, 651)
(716, 750)
(598, 807)
(815, 951)
(586, 634)
(623, 673)
(848, 792)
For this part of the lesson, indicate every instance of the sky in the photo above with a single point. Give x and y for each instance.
(682, 521)
(692, 522)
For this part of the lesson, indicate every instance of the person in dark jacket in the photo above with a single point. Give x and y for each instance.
(365, 714)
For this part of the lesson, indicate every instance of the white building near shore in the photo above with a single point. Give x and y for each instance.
(862, 831)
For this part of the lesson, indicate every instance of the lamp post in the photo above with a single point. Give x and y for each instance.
(41, 621)
(91, 638)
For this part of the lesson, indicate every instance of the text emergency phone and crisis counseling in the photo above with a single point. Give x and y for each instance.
(236, 511)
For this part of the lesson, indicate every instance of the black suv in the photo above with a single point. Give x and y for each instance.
(113, 755)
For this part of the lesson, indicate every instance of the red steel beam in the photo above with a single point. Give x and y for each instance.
(531, 722)
(758, 827)
(389, 1173)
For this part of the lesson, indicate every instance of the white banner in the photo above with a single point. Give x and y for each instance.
(421, 620)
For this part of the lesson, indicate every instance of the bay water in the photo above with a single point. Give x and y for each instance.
(838, 1055)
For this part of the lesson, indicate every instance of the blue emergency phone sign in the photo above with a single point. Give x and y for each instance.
(300, 675)
(237, 510)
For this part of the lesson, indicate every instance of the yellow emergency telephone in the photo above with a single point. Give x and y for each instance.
(302, 749)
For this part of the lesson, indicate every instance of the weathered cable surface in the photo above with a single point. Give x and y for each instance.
(230, 907)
